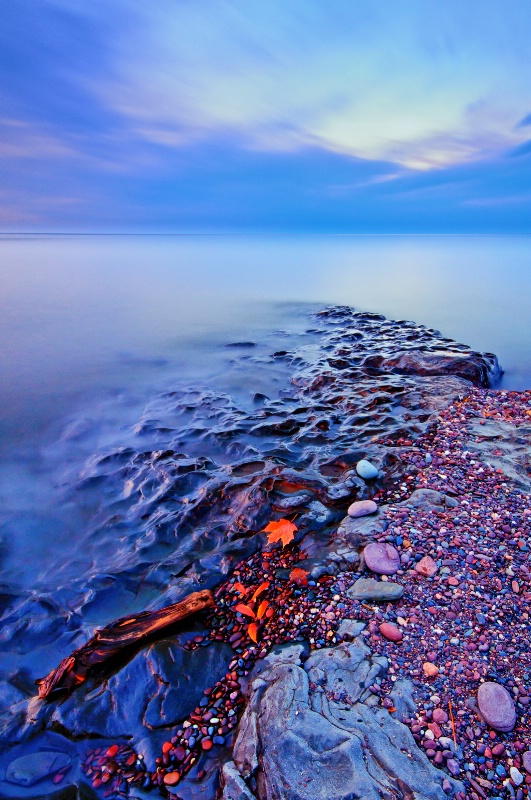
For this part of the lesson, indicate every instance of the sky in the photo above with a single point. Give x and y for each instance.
(277, 116)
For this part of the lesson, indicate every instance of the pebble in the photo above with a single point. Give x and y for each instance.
(371, 589)
(496, 706)
(526, 760)
(430, 670)
(384, 559)
(391, 632)
(362, 508)
(516, 776)
(426, 566)
(366, 470)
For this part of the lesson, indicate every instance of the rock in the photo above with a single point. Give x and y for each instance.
(161, 683)
(27, 770)
(439, 716)
(366, 470)
(233, 785)
(384, 559)
(391, 632)
(496, 706)
(362, 508)
(526, 760)
(371, 589)
(426, 566)
(350, 627)
(430, 670)
(481, 369)
(516, 776)
(427, 498)
(453, 767)
(300, 743)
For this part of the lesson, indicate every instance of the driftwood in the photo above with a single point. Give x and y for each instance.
(116, 637)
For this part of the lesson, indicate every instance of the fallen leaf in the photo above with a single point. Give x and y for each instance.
(243, 609)
(261, 589)
(252, 631)
(262, 609)
(240, 588)
(281, 531)
(299, 576)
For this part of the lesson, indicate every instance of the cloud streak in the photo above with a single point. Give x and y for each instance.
(134, 105)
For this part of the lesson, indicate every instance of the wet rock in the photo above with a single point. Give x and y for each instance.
(293, 734)
(371, 589)
(27, 770)
(161, 684)
(366, 470)
(426, 566)
(426, 498)
(384, 559)
(496, 706)
(481, 369)
(362, 508)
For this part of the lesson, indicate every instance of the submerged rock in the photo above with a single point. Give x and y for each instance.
(481, 369)
(27, 770)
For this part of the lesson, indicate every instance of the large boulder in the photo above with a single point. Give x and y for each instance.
(309, 733)
(481, 369)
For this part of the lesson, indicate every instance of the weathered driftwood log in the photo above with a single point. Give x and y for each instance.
(119, 635)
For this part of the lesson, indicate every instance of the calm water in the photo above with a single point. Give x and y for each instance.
(91, 328)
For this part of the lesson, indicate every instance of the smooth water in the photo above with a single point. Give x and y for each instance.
(93, 327)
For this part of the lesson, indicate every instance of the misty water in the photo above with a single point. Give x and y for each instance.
(92, 328)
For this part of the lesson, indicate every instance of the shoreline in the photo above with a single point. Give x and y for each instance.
(441, 417)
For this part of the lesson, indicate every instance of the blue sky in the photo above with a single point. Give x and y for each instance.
(283, 115)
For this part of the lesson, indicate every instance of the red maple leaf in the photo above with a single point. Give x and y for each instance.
(252, 631)
(281, 531)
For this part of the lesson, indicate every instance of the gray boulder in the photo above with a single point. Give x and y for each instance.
(307, 734)
(377, 591)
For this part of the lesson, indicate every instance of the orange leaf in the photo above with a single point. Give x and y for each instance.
(240, 588)
(299, 576)
(252, 631)
(281, 531)
(261, 609)
(243, 609)
(263, 586)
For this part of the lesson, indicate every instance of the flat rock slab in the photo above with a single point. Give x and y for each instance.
(496, 706)
(377, 591)
(300, 744)
(155, 690)
(362, 508)
(384, 559)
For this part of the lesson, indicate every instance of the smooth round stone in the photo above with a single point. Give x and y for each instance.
(384, 559)
(496, 706)
(362, 508)
(426, 566)
(391, 632)
(366, 470)
(171, 778)
(378, 591)
(439, 716)
(430, 670)
(526, 760)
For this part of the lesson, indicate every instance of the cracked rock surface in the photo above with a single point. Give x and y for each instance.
(308, 734)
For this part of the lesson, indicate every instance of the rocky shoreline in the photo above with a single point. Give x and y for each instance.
(384, 652)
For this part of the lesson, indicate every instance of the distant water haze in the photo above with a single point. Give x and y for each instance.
(81, 314)
(94, 327)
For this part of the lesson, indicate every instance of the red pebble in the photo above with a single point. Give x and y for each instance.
(206, 744)
(391, 632)
(111, 752)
